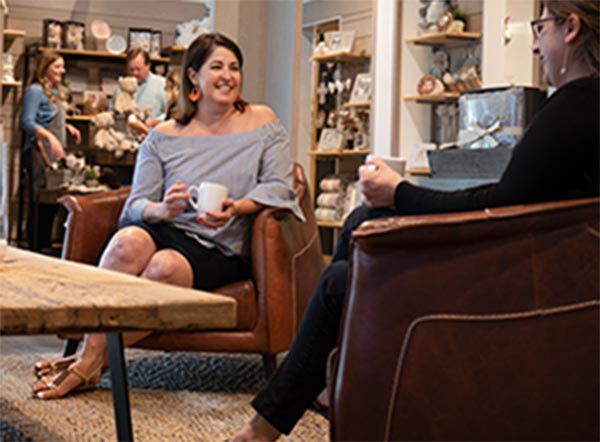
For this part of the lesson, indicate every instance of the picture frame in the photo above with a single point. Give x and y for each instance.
(361, 90)
(339, 41)
(52, 33)
(74, 35)
(139, 38)
(155, 43)
(330, 139)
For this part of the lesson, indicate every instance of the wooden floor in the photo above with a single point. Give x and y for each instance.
(30, 344)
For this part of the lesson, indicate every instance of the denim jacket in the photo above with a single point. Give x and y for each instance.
(38, 111)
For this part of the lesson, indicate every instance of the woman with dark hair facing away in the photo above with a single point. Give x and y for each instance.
(556, 159)
(44, 121)
(218, 137)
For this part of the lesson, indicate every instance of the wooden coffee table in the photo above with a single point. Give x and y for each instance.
(41, 294)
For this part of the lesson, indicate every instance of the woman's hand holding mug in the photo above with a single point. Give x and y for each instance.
(211, 202)
(378, 182)
(219, 219)
(174, 201)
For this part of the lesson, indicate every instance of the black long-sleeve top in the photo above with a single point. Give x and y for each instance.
(557, 158)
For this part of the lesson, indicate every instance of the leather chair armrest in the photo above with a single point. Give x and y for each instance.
(287, 263)
(91, 221)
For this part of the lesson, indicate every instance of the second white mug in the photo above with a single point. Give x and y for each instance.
(207, 197)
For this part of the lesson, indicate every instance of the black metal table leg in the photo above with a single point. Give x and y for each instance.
(118, 376)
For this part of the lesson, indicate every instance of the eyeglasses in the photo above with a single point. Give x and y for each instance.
(538, 25)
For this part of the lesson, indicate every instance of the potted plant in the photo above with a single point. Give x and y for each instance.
(91, 177)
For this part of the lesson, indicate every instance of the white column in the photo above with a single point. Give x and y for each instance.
(492, 51)
(385, 96)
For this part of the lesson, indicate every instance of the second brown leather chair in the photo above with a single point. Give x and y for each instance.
(472, 326)
(286, 261)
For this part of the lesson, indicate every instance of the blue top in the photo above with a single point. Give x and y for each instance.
(255, 164)
(38, 111)
(149, 93)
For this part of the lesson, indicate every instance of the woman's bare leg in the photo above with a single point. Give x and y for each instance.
(132, 251)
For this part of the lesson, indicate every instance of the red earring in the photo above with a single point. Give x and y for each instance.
(238, 98)
(195, 94)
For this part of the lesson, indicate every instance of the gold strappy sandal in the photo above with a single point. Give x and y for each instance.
(87, 381)
(54, 366)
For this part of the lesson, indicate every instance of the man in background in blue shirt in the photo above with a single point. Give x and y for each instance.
(151, 87)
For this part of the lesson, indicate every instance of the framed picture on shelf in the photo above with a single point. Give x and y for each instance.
(339, 41)
(361, 91)
(155, 44)
(74, 35)
(53, 31)
(139, 38)
(330, 139)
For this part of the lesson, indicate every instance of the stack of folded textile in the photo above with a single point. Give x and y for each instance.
(332, 198)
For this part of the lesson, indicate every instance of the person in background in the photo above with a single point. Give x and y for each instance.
(151, 87)
(556, 159)
(216, 137)
(43, 120)
(172, 84)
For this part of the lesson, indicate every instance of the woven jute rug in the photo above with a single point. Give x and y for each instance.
(173, 396)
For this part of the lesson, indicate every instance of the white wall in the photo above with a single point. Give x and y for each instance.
(512, 63)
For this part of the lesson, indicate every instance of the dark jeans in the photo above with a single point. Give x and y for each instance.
(301, 376)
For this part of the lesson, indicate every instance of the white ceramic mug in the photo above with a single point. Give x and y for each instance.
(207, 197)
(397, 164)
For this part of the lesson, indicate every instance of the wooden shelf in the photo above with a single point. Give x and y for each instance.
(339, 153)
(446, 38)
(330, 224)
(357, 104)
(106, 158)
(11, 83)
(438, 98)
(172, 50)
(13, 33)
(79, 118)
(100, 54)
(345, 57)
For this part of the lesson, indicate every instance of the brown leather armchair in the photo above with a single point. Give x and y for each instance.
(286, 260)
(472, 326)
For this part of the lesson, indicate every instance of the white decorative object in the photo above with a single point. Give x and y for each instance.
(109, 139)
(100, 31)
(116, 44)
(320, 49)
(125, 103)
(188, 31)
(322, 92)
(8, 68)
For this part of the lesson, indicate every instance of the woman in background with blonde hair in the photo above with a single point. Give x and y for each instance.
(44, 121)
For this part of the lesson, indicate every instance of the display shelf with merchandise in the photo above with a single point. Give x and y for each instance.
(442, 42)
(9, 35)
(334, 75)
